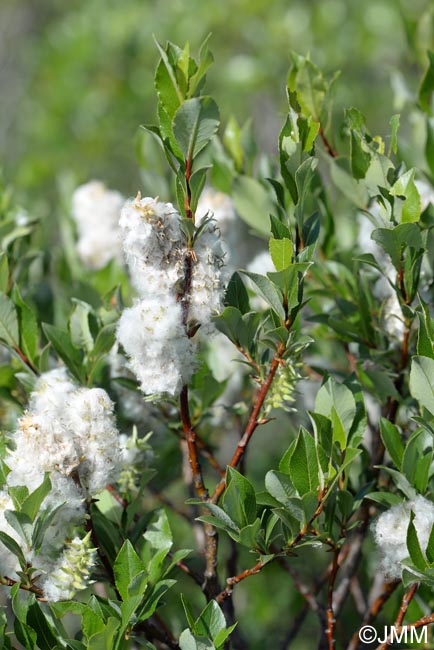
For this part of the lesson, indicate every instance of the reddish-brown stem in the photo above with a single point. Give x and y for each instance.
(377, 605)
(408, 597)
(187, 199)
(116, 496)
(421, 622)
(249, 358)
(190, 437)
(26, 360)
(234, 580)
(8, 582)
(327, 146)
(186, 569)
(252, 423)
(210, 585)
(329, 612)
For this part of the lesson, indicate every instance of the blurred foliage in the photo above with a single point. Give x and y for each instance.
(81, 79)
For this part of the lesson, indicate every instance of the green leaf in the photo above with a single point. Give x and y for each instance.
(221, 517)
(405, 187)
(303, 180)
(126, 567)
(387, 499)
(21, 523)
(91, 623)
(338, 396)
(64, 607)
(33, 502)
(392, 441)
(9, 331)
(61, 342)
(427, 86)
(395, 240)
(18, 493)
(221, 637)
(281, 488)
(359, 155)
(158, 533)
(13, 547)
(307, 84)
(189, 642)
(25, 635)
(249, 535)
(425, 339)
(27, 324)
(21, 602)
(197, 183)
(45, 633)
(268, 291)
(154, 597)
(417, 459)
(236, 294)
(413, 546)
(281, 252)
(230, 323)
(211, 621)
(195, 123)
(422, 381)
(239, 500)
(205, 60)
(105, 340)
(279, 230)
(400, 481)
(106, 638)
(41, 525)
(166, 84)
(188, 610)
(289, 282)
(303, 465)
(340, 435)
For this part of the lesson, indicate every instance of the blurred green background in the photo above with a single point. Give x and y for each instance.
(76, 78)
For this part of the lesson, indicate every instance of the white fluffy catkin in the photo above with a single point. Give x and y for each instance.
(154, 331)
(69, 432)
(390, 532)
(96, 210)
(160, 353)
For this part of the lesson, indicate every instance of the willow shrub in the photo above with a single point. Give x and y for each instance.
(281, 305)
